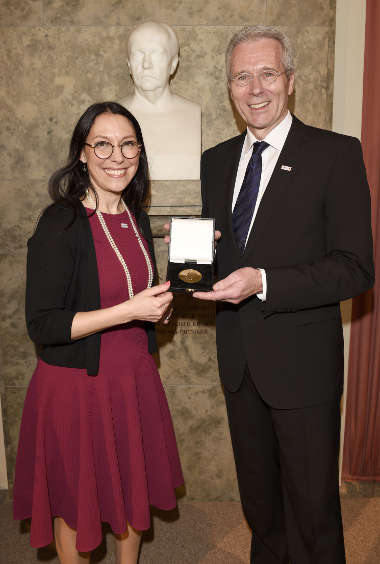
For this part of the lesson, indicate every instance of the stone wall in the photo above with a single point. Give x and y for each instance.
(58, 57)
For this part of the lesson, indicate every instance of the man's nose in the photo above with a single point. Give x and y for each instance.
(255, 85)
(147, 61)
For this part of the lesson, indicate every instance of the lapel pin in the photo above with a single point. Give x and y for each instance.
(286, 167)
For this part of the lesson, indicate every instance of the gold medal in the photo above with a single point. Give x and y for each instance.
(190, 276)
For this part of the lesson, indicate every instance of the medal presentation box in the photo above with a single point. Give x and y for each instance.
(191, 254)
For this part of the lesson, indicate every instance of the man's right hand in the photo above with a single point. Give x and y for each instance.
(236, 287)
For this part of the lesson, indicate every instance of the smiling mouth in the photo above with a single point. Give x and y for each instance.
(115, 172)
(258, 105)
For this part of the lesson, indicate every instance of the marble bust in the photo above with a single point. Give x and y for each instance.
(171, 124)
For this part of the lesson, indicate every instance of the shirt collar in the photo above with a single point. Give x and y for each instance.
(275, 138)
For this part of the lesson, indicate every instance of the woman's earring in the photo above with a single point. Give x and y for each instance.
(84, 167)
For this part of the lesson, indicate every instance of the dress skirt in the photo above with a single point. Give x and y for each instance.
(99, 449)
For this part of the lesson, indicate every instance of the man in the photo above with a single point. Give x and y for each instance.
(294, 215)
(171, 124)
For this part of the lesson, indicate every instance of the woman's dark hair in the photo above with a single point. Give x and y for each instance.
(70, 182)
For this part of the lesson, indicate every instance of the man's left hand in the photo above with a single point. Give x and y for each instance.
(236, 287)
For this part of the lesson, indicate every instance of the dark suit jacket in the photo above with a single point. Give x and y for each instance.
(62, 279)
(312, 235)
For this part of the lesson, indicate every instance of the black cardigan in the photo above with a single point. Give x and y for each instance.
(62, 279)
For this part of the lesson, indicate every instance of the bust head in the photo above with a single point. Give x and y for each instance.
(152, 56)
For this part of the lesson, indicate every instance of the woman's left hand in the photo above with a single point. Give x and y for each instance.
(167, 315)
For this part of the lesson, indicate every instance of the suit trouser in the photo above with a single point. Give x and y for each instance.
(287, 468)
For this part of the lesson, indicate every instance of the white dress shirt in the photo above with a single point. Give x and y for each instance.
(275, 139)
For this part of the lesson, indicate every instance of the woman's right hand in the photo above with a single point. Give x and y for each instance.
(150, 304)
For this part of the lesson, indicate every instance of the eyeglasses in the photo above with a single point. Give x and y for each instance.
(265, 77)
(104, 149)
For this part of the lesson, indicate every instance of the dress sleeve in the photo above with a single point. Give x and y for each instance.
(51, 262)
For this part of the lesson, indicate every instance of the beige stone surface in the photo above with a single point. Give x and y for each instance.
(25, 13)
(60, 72)
(21, 203)
(208, 84)
(313, 76)
(17, 351)
(187, 343)
(60, 87)
(58, 57)
(175, 193)
(12, 403)
(173, 12)
(314, 13)
(160, 216)
(203, 440)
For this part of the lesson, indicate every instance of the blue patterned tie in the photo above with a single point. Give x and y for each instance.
(246, 201)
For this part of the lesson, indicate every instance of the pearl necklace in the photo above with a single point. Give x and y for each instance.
(118, 253)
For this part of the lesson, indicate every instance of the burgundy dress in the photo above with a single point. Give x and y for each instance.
(100, 448)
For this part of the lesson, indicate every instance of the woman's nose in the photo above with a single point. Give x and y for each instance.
(117, 155)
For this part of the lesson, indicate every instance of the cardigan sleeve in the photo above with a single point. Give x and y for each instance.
(144, 225)
(50, 266)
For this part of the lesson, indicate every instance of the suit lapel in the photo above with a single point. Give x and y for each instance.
(281, 181)
(229, 171)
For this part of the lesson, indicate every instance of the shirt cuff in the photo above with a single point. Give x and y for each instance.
(263, 295)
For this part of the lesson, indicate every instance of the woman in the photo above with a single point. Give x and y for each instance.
(96, 440)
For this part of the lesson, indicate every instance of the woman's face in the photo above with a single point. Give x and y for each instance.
(113, 174)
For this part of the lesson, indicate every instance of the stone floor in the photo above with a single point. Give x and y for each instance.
(204, 532)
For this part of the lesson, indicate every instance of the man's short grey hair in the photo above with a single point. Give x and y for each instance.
(171, 37)
(254, 32)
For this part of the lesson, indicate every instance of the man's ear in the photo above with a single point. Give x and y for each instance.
(174, 64)
(291, 84)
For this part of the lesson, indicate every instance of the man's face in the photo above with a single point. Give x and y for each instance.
(261, 106)
(149, 59)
